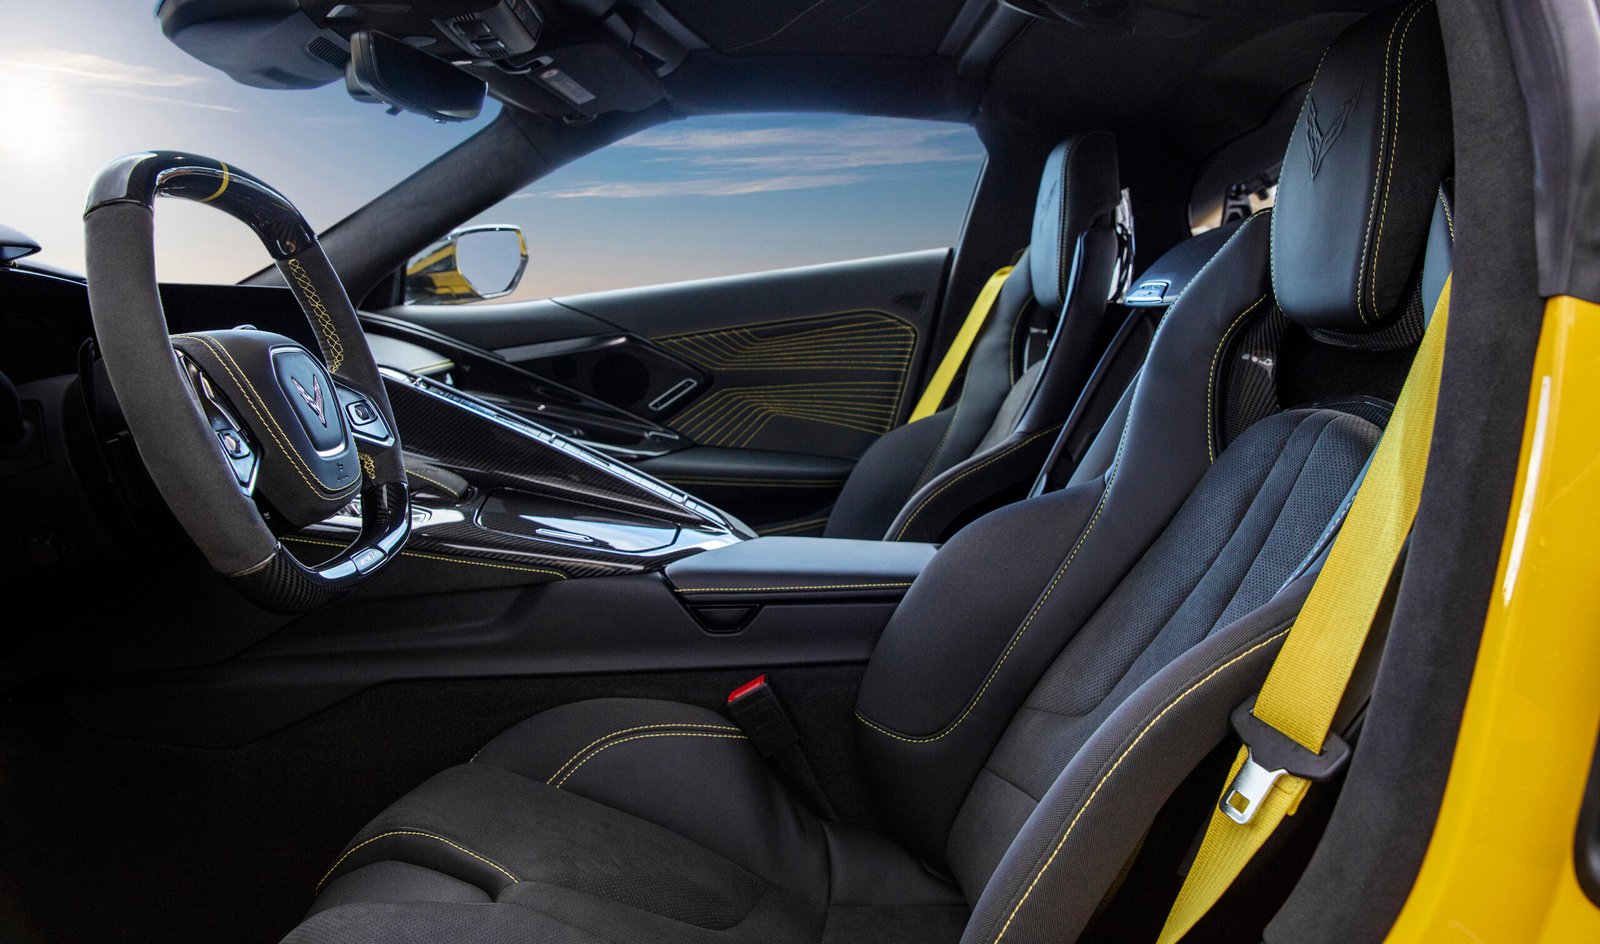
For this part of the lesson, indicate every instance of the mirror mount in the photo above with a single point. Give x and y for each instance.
(386, 70)
(437, 276)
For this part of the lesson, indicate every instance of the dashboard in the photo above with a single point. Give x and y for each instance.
(543, 491)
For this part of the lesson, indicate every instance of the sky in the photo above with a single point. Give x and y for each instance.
(709, 196)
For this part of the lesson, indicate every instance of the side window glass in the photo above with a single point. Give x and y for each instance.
(732, 194)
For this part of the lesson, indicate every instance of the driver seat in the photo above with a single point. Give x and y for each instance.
(1021, 726)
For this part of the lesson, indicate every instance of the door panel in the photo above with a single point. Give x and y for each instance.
(776, 382)
(820, 386)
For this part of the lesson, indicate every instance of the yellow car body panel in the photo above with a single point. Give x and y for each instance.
(1500, 864)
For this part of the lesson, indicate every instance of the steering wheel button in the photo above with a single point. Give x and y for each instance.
(367, 559)
(361, 413)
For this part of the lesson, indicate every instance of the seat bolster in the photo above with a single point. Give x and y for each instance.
(981, 481)
(617, 817)
(1102, 804)
(551, 745)
(885, 477)
(683, 768)
(489, 827)
(389, 880)
(992, 370)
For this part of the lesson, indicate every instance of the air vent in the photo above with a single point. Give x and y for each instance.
(326, 50)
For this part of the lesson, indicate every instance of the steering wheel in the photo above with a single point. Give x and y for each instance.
(246, 432)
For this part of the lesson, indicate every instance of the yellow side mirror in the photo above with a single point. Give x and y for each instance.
(471, 264)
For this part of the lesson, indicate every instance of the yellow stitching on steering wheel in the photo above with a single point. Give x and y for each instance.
(324, 319)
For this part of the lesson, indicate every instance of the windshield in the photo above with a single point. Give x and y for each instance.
(78, 97)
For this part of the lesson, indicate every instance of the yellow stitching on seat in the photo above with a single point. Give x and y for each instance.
(640, 727)
(435, 557)
(1083, 536)
(320, 311)
(640, 737)
(963, 474)
(1118, 763)
(301, 467)
(1211, 379)
(1383, 139)
(938, 451)
(830, 586)
(416, 832)
(435, 483)
(1388, 174)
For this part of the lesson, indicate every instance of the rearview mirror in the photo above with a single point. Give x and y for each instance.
(384, 69)
(469, 265)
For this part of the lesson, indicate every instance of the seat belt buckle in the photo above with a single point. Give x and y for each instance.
(756, 709)
(1271, 755)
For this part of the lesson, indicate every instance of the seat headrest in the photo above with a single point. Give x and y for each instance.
(1360, 176)
(1080, 185)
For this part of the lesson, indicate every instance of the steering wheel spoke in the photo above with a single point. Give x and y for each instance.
(238, 449)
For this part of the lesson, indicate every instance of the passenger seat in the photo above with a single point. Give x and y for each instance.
(1017, 391)
(1003, 467)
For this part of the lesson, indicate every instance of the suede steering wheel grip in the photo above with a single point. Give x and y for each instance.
(177, 443)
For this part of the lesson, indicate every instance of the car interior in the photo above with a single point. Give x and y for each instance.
(931, 596)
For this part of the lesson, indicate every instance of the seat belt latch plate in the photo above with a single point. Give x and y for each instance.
(1271, 754)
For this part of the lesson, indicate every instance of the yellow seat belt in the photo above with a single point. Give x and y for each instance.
(939, 385)
(1295, 709)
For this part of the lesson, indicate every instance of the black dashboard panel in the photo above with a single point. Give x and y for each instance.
(587, 514)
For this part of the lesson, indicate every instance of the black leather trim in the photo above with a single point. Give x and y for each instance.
(1080, 185)
(780, 566)
(1358, 182)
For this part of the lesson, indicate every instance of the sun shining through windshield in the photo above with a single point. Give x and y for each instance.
(76, 98)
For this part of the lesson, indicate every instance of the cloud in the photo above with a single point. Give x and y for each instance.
(695, 187)
(99, 69)
(80, 71)
(721, 162)
(847, 145)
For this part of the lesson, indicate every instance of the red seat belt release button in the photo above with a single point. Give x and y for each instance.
(757, 711)
(759, 681)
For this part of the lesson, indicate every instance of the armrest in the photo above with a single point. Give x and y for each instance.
(776, 568)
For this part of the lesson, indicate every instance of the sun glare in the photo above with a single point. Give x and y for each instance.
(39, 114)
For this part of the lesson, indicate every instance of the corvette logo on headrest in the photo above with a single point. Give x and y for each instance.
(312, 399)
(1321, 140)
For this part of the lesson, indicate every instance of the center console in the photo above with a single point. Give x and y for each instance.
(530, 506)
